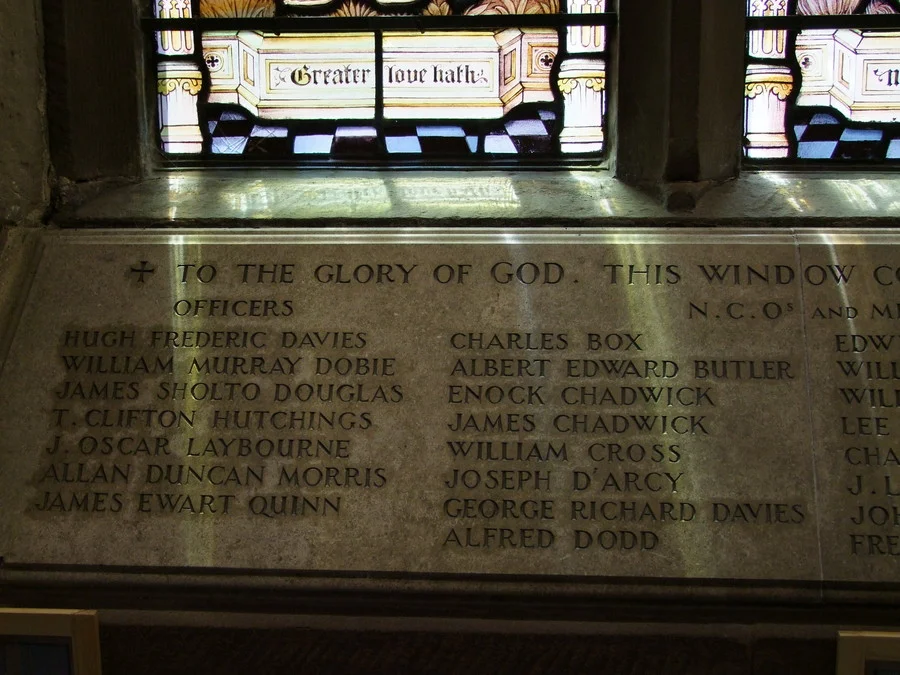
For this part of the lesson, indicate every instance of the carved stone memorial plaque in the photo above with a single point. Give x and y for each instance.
(698, 405)
(853, 345)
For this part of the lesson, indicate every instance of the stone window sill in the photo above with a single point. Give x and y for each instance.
(484, 199)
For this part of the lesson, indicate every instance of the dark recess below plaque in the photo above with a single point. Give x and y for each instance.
(197, 651)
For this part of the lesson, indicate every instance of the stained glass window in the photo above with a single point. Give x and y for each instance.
(823, 81)
(366, 82)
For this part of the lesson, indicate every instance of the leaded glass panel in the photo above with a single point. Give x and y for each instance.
(823, 81)
(392, 81)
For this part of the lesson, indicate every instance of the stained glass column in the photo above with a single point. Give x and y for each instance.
(582, 83)
(179, 82)
(767, 86)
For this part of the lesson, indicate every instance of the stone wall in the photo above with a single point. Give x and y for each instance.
(24, 163)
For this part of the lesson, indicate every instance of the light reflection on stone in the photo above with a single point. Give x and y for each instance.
(496, 192)
(540, 197)
(866, 195)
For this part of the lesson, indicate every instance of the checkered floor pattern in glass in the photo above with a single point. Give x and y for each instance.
(824, 134)
(526, 132)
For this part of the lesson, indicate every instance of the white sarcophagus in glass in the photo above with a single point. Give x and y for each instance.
(440, 75)
(308, 76)
(856, 72)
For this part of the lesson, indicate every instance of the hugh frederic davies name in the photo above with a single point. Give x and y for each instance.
(547, 439)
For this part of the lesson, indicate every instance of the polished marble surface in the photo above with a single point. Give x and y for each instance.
(481, 198)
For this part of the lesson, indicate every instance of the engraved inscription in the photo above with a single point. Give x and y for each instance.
(587, 410)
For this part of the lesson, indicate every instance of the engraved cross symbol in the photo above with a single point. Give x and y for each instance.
(143, 270)
(546, 60)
